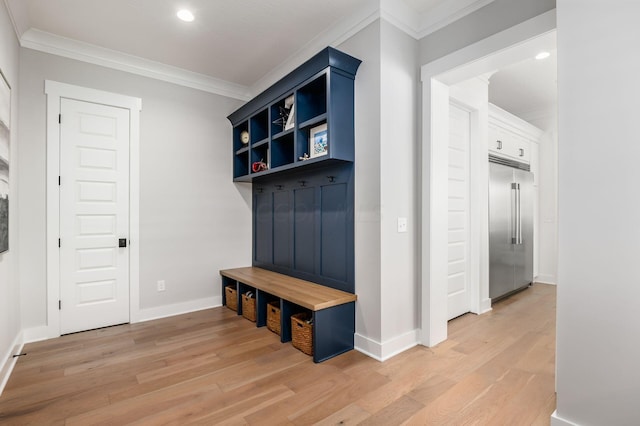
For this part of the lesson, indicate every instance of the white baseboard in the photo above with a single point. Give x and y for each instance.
(390, 348)
(559, 421)
(485, 306)
(177, 309)
(8, 361)
(545, 279)
(36, 334)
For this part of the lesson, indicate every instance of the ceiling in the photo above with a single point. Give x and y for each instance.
(528, 88)
(235, 41)
(239, 47)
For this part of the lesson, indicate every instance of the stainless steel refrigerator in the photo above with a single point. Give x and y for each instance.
(510, 227)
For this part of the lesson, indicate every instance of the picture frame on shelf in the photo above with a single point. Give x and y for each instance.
(318, 141)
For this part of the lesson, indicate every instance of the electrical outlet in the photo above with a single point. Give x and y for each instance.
(161, 286)
(402, 224)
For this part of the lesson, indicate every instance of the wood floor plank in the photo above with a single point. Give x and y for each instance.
(214, 367)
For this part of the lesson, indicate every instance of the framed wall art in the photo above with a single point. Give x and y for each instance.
(5, 137)
(318, 142)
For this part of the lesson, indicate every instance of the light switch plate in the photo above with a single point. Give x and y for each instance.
(402, 224)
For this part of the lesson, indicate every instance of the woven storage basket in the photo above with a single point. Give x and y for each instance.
(302, 333)
(232, 298)
(249, 307)
(273, 317)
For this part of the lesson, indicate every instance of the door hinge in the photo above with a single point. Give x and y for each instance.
(58, 180)
(59, 243)
(59, 305)
(60, 118)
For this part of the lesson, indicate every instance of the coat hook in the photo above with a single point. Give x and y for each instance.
(331, 178)
(302, 183)
(279, 187)
(259, 190)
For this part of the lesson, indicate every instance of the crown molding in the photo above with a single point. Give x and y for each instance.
(402, 16)
(447, 13)
(541, 113)
(333, 36)
(420, 25)
(398, 13)
(85, 52)
(18, 14)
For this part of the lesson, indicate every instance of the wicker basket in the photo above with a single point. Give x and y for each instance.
(273, 317)
(302, 333)
(232, 298)
(249, 307)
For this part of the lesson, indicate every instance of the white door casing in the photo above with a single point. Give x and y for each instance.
(458, 294)
(56, 92)
(94, 215)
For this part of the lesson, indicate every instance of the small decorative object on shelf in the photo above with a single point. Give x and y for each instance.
(290, 107)
(291, 119)
(259, 166)
(318, 140)
(304, 157)
(282, 120)
(244, 137)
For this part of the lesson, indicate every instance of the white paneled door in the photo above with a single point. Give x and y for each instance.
(458, 266)
(94, 215)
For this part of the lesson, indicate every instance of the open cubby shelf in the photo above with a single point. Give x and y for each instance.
(321, 91)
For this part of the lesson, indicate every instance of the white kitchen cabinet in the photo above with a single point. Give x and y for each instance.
(511, 137)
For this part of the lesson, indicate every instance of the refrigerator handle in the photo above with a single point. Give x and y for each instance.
(514, 213)
(519, 217)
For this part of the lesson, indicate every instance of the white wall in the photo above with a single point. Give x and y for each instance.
(10, 335)
(598, 379)
(399, 93)
(365, 45)
(386, 188)
(548, 199)
(193, 219)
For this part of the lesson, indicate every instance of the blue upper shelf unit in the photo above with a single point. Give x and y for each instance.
(306, 118)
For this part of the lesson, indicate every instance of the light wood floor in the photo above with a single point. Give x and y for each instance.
(212, 367)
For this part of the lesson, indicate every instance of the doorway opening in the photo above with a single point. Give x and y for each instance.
(439, 79)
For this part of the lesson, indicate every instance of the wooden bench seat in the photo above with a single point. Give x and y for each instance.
(309, 295)
(333, 311)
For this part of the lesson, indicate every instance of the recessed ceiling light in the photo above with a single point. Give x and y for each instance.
(186, 15)
(542, 55)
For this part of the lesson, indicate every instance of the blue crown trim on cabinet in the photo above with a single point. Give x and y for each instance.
(323, 93)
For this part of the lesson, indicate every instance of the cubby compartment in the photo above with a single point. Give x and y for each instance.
(241, 163)
(302, 332)
(259, 127)
(282, 115)
(313, 139)
(282, 150)
(249, 307)
(274, 317)
(260, 154)
(311, 99)
(237, 136)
